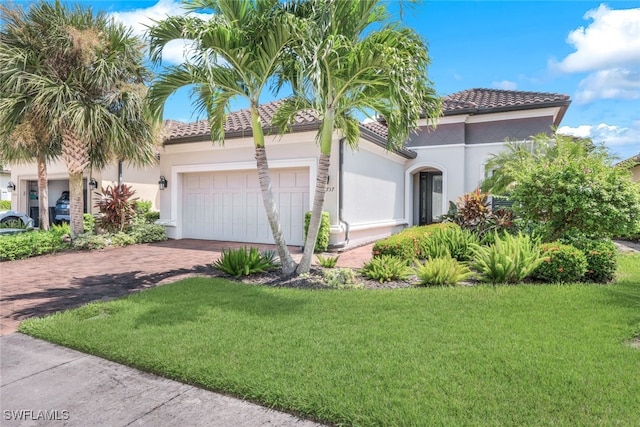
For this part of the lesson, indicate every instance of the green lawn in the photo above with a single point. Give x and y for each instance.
(505, 355)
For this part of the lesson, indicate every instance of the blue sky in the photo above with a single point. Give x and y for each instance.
(588, 50)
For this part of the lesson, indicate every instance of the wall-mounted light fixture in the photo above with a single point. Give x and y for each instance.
(93, 184)
(163, 183)
(11, 186)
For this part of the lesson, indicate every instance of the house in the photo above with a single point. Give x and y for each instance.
(213, 192)
(25, 178)
(633, 164)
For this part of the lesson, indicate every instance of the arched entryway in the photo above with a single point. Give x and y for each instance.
(427, 198)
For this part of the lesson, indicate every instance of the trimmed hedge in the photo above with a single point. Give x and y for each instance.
(562, 264)
(601, 258)
(422, 242)
(29, 244)
(322, 242)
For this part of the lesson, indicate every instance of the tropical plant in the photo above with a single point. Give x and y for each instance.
(88, 223)
(510, 259)
(23, 133)
(117, 207)
(386, 268)
(237, 52)
(328, 261)
(243, 262)
(86, 85)
(341, 278)
(566, 185)
(349, 61)
(600, 255)
(562, 264)
(445, 271)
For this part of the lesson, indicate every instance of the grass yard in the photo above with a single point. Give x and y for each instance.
(505, 355)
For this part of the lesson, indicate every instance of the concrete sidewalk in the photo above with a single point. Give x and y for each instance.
(45, 384)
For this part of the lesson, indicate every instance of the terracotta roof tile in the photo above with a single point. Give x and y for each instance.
(238, 121)
(494, 99)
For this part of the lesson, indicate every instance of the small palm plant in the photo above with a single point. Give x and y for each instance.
(445, 271)
(510, 259)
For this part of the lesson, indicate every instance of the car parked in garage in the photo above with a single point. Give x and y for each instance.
(12, 222)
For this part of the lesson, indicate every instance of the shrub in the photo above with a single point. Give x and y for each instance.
(5, 205)
(142, 207)
(341, 278)
(446, 271)
(271, 257)
(473, 212)
(411, 243)
(508, 260)
(116, 207)
(243, 262)
(562, 264)
(90, 241)
(122, 239)
(328, 261)
(28, 244)
(458, 243)
(151, 217)
(385, 268)
(88, 223)
(601, 258)
(148, 233)
(322, 242)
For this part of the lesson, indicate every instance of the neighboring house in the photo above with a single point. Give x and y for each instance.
(25, 177)
(5, 178)
(633, 164)
(213, 190)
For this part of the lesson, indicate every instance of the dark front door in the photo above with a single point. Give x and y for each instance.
(430, 197)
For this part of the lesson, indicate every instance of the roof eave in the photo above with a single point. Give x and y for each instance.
(382, 142)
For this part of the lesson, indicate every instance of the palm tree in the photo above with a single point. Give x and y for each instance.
(344, 67)
(90, 81)
(22, 141)
(237, 54)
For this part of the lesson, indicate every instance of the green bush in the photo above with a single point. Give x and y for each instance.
(148, 233)
(88, 223)
(341, 278)
(459, 243)
(328, 261)
(445, 271)
(322, 242)
(385, 268)
(143, 206)
(5, 205)
(122, 239)
(89, 241)
(562, 264)
(411, 243)
(28, 244)
(243, 262)
(151, 217)
(509, 259)
(601, 258)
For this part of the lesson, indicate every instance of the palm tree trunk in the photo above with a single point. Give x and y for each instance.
(286, 261)
(76, 156)
(326, 142)
(316, 214)
(43, 193)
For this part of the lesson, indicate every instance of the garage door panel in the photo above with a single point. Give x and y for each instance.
(229, 206)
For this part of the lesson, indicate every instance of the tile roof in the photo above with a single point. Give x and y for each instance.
(490, 100)
(238, 123)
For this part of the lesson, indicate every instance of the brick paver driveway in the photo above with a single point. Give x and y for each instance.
(46, 284)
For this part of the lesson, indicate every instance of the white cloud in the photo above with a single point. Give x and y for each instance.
(611, 40)
(616, 83)
(505, 85)
(457, 77)
(623, 141)
(176, 51)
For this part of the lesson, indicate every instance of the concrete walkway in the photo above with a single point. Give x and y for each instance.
(44, 384)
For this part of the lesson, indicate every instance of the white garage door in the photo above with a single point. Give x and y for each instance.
(228, 205)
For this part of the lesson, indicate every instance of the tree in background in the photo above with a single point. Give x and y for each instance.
(89, 82)
(343, 65)
(238, 52)
(566, 185)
